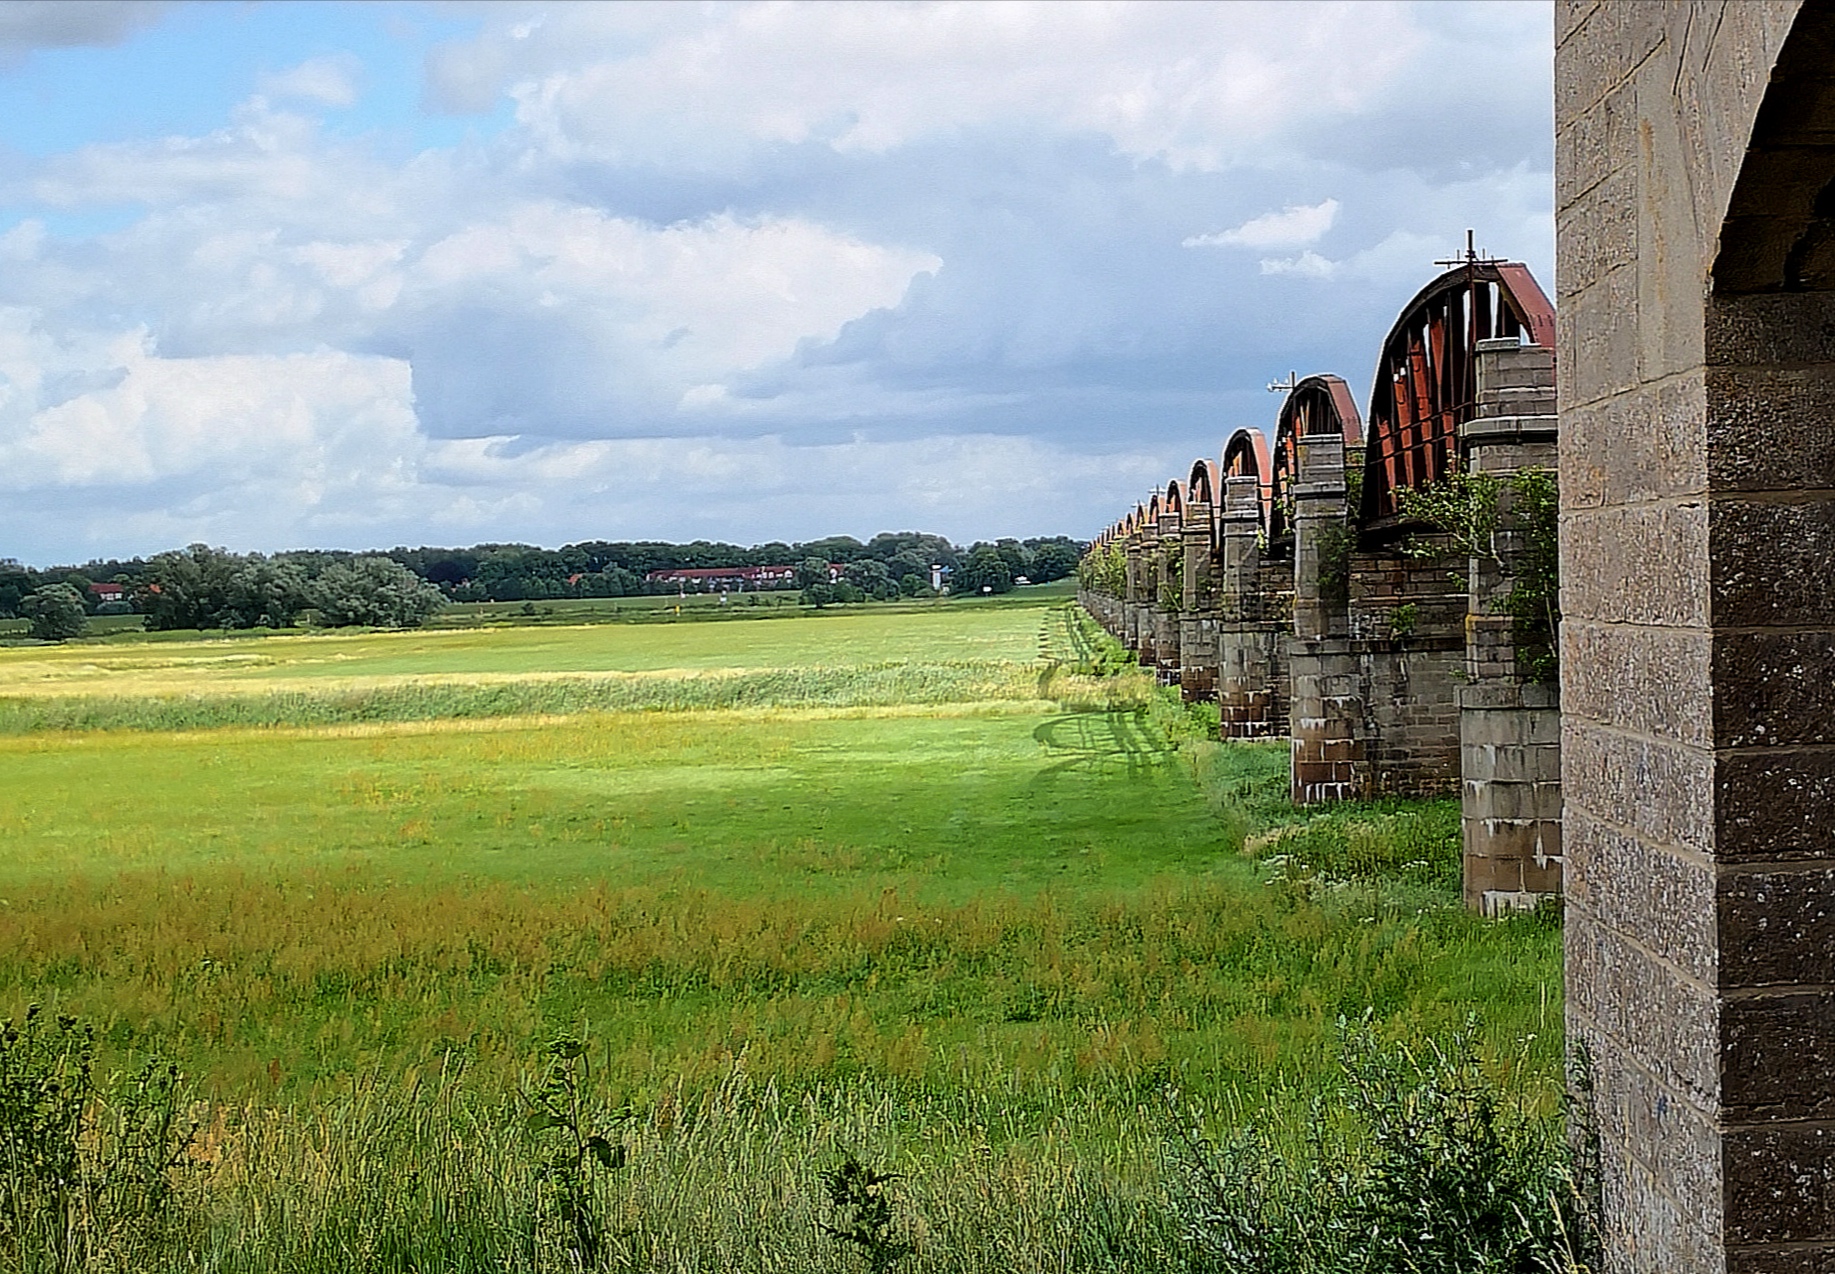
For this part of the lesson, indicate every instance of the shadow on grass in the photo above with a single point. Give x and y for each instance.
(1102, 743)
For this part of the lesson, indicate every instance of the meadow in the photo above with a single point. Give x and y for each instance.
(936, 887)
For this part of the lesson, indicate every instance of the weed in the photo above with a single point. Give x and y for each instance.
(860, 1199)
(558, 1114)
(1420, 1163)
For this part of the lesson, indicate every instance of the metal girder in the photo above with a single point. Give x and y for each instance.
(1426, 377)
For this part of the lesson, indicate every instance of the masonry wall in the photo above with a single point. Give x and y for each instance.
(1696, 694)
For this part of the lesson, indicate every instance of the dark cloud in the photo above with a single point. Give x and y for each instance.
(27, 26)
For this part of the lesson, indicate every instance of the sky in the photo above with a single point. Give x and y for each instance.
(283, 275)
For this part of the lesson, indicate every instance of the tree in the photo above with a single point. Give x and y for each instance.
(374, 591)
(265, 594)
(57, 612)
(984, 568)
(1053, 561)
(189, 588)
(871, 578)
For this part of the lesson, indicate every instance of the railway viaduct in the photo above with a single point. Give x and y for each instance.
(1695, 205)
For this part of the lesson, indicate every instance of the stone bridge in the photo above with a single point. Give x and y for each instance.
(1301, 590)
(1695, 231)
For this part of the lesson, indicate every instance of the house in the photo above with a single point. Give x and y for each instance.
(707, 579)
(108, 592)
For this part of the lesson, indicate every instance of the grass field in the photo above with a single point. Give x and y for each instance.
(919, 900)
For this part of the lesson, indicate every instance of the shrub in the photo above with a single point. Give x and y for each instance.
(1420, 1163)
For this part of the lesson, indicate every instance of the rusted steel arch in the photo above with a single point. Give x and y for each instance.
(1426, 380)
(1317, 405)
(1246, 455)
(1203, 484)
(1173, 502)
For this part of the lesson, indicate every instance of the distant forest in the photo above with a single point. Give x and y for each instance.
(204, 587)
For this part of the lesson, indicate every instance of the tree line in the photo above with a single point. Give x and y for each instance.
(204, 587)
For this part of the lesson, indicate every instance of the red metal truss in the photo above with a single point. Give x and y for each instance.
(1426, 382)
(1316, 405)
(1246, 455)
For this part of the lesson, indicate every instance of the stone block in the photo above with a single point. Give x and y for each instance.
(1600, 327)
(1777, 927)
(1648, 444)
(1640, 565)
(1775, 806)
(1593, 147)
(1771, 429)
(1662, 900)
(1767, 329)
(1601, 226)
(1663, 1170)
(1778, 1056)
(1771, 562)
(1780, 1184)
(1774, 688)
(1646, 680)
(1664, 1022)
(1796, 1259)
(1660, 792)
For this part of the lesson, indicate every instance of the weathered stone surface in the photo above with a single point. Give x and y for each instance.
(1777, 927)
(1666, 1023)
(1771, 331)
(1668, 788)
(1772, 688)
(1771, 561)
(1780, 1184)
(1775, 805)
(1646, 444)
(1658, 898)
(1640, 565)
(1650, 681)
(1778, 1058)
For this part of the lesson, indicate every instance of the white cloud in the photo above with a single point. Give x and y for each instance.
(1308, 264)
(750, 270)
(1291, 227)
(1196, 85)
(330, 81)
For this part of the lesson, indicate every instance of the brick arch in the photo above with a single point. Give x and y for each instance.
(1319, 404)
(1426, 382)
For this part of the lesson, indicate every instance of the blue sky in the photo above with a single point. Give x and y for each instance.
(354, 275)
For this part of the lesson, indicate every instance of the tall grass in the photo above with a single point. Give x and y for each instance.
(972, 949)
(873, 685)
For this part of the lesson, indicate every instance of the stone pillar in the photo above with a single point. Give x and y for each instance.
(1326, 712)
(1167, 596)
(1693, 171)
(1130, 604)
(1246, 638)
(1198, 614)
(1509, 728)
(1153, 570)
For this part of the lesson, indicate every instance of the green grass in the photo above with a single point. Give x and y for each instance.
(936, 896)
